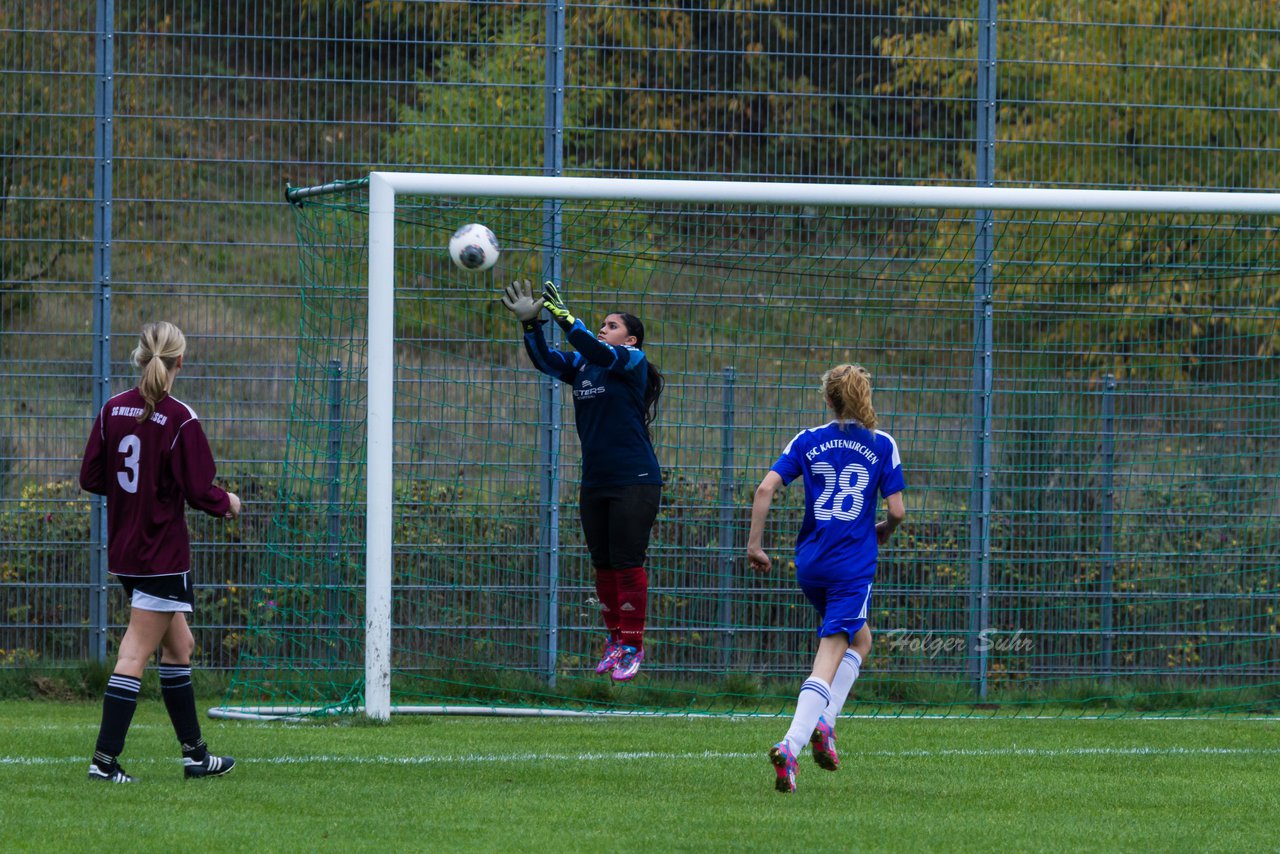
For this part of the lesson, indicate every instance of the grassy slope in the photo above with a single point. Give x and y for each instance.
(468, 784)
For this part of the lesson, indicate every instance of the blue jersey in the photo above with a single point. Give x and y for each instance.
(846, 470)
(608, 405)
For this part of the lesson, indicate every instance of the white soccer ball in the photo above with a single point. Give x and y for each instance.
(473, 247)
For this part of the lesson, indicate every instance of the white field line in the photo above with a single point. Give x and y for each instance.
(631, 756)
(288, 722)
(291, 714)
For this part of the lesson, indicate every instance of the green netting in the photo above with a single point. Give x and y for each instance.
(1123, 559)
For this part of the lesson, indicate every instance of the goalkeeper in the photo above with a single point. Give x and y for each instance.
(615, 399)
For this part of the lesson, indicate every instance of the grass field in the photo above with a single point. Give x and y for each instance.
(681, 784)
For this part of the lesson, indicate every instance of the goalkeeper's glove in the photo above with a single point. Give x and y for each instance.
(520, 302)
(555, 305)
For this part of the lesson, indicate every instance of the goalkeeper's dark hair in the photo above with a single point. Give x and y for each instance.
(652, 389)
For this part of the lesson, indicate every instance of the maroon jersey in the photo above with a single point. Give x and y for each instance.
(149, 470)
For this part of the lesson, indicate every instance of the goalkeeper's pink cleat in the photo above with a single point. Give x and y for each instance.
(612, 652)
(784, 763)
(628, 664)
(823, 742)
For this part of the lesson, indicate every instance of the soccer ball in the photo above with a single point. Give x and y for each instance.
(473, 247)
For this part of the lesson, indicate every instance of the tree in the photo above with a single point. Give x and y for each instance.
(1125, 93)
(741, 87)
(1141, 96)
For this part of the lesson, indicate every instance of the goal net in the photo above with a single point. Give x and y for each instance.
(1084, 387)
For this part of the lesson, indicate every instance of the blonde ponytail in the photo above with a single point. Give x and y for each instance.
(159, 346)
(847, 389)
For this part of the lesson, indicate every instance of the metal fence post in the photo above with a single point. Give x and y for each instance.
(983, 374)
(552, 231)
(101, 346)
(1108, 556)
(728, 546)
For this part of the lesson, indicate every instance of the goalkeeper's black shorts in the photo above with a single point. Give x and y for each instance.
(616, 521)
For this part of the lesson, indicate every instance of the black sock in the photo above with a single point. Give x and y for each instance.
(118, 705)
(180, 700)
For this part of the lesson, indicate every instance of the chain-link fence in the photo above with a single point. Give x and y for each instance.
(145, 148)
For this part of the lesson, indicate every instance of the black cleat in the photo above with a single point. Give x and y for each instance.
(212, 766)
(109, 774)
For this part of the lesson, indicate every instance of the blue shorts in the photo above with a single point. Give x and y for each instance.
(841, 606)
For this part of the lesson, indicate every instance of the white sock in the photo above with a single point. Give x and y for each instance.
(815, 694)
(846, 675)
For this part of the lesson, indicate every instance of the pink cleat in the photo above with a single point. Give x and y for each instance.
(628, 664)
(823, 742)
(612, 652)
(784, 763)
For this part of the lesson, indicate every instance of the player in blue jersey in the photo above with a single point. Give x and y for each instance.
(846, 464)
(615, 397)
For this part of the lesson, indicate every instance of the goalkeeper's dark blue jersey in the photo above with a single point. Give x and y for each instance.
(608, 405)
(845, 469)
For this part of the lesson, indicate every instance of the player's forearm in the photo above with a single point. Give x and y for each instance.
(897, 513)
(215, 501)
(196, 483)
(551, 362)
(592, 349)
(194, 471)
(759, 512)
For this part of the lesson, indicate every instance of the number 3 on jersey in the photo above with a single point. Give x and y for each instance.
(850, 482)
(131, 447)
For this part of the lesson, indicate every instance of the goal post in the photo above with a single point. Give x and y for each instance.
(767, 268)
(378, 526)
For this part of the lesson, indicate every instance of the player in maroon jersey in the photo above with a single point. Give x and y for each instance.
(149, 456)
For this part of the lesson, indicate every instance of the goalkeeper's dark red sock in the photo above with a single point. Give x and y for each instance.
(633, 605)
(607, 593)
